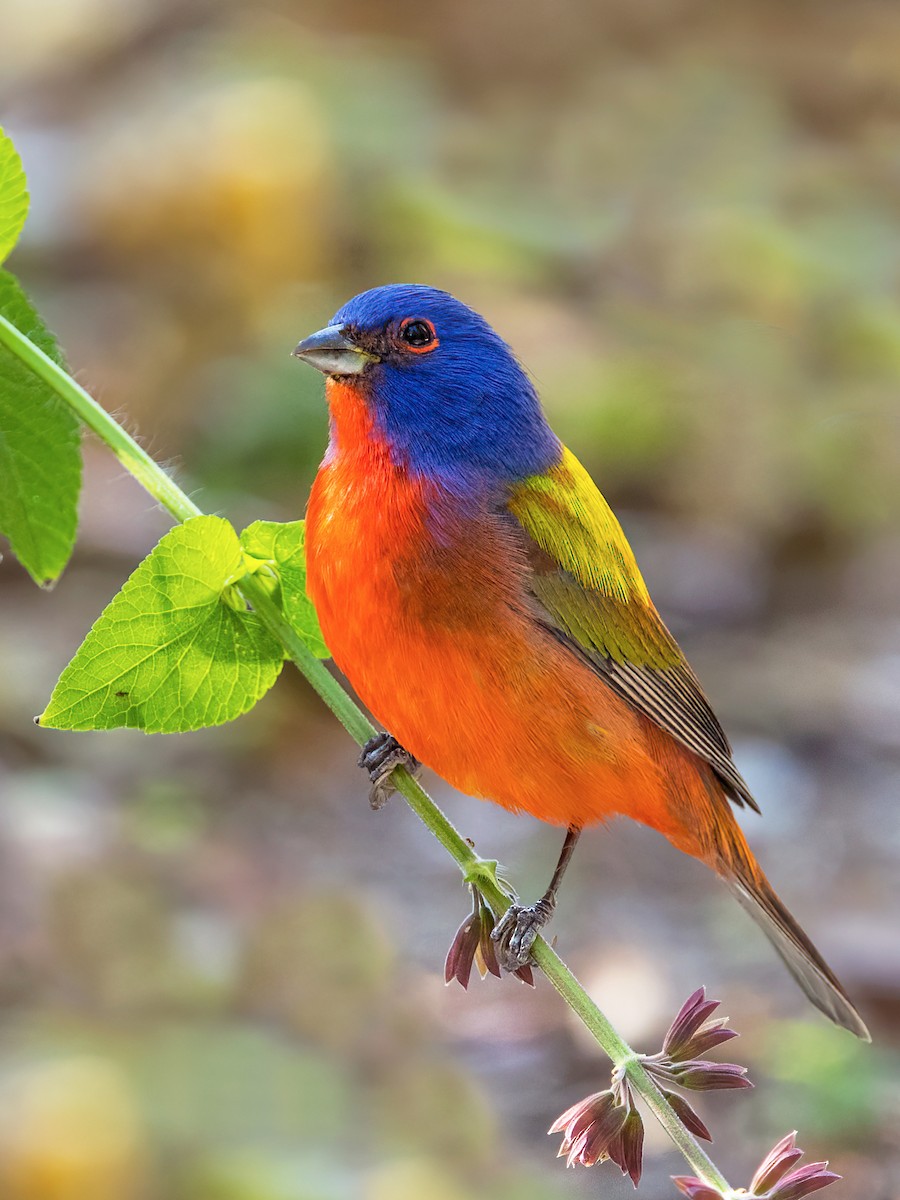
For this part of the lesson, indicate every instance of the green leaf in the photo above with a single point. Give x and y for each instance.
(176, 649)
(40, 455)
(283, 548)
(13, 195)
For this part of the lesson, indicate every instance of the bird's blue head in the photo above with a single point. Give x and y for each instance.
(443, 389)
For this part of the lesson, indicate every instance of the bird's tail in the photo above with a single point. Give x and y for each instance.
(802, 959)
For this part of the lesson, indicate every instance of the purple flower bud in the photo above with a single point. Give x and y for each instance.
(526, 975)
(600, 1128)
(598, 1137)
(694, 1188)
(688, 1020)
(587, 1128)
(776, 1164)
(473, 945)
(804, 1182)
(771, 1182)
(485, 951)
(686, 1115)
(627, 1148)
(461, 954)
(586, 1106)
(711, 1035)
(700, 1075)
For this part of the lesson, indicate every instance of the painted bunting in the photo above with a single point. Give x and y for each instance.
(476, 589)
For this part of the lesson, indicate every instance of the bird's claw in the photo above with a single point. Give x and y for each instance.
(516, 931)
(380, 755)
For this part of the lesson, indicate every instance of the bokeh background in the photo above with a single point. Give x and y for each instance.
(220, 974)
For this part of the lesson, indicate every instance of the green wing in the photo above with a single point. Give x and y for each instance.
(593, 598)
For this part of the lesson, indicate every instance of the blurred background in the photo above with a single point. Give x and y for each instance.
(220, 974)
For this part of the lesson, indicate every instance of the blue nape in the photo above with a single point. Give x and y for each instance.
(467, 407)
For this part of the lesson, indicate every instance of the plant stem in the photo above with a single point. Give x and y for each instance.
(475, 869)
(148, 473)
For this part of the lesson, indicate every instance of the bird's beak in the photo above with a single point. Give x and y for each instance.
(330, 352)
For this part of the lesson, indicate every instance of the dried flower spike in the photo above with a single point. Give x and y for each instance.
(680, 1063)
(604, 1126)
(589, 1127)
(607, 1124)
(775, 1178)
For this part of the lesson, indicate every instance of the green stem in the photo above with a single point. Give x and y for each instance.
(475, 869)
(148, 473)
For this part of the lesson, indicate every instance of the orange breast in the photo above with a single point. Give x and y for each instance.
(434, 632)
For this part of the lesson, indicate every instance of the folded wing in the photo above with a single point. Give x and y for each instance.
(589, 592)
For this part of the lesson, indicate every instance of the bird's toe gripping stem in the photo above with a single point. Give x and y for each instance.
(516, 931)
(380, 755)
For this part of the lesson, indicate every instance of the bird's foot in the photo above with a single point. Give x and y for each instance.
(380, 755)
(516, 930)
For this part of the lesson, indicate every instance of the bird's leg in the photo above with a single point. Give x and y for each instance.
(516, 930)
(380, 755)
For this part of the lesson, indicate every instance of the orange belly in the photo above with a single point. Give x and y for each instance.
(434, 634)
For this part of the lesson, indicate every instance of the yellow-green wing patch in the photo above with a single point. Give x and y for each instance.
(565, 514)
(588, 587)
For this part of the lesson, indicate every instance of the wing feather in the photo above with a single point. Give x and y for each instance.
(590, 594)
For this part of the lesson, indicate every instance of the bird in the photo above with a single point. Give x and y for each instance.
(480, 596)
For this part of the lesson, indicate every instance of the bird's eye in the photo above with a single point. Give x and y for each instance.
(418, 334)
